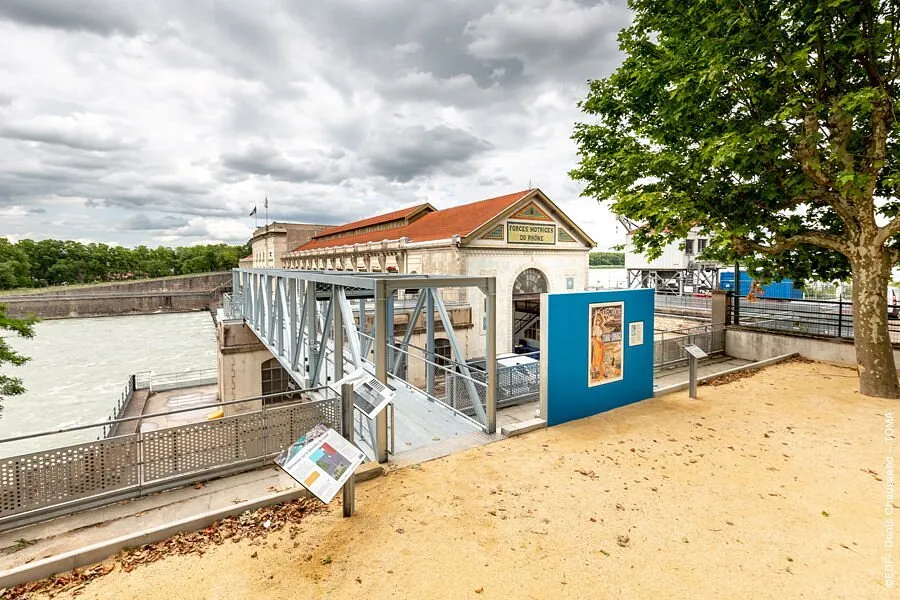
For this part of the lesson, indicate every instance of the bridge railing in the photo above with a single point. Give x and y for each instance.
(155, 383)
(668, 346)
(233, 305)
(60, 480)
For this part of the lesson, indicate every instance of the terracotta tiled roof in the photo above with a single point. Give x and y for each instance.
(385, 218)
(438, 225)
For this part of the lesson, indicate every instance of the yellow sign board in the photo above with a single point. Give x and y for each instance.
(529, 233)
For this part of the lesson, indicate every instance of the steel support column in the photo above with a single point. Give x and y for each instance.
(338, 333)
(381, 373)
(491, 355)
(429, 341)
(460, 358)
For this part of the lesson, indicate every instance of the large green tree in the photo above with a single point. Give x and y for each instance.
(9, 385)
(770, 124)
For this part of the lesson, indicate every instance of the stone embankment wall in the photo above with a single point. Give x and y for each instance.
(170, 294)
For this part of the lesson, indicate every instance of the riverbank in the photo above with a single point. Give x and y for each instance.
(769, 487)
(150, 296)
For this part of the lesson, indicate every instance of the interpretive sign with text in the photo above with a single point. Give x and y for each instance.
(321, 461)
(370, 396)
(528, 233)
(636, 333)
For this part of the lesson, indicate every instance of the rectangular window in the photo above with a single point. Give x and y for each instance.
(688, 247)
(701, 245)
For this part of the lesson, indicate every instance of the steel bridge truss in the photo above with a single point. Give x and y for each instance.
(306, 320)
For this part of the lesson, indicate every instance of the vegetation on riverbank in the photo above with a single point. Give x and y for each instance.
(607, 259)
(30, 264)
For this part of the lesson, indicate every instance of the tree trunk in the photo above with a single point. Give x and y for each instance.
(874, 353)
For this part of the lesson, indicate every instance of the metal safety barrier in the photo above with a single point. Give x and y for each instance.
(826, 318)
(60, 480)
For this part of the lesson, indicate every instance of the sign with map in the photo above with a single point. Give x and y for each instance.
(370, 396)
(605, 347)
(321, 461)
(530, 233)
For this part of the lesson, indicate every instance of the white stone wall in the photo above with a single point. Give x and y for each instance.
(506, 265)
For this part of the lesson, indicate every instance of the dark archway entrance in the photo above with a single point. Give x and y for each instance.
(526, 310)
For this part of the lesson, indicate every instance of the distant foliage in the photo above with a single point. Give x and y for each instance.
(9, 385)
(602, 259)
(60, 262)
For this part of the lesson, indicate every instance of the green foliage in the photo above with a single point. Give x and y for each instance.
(768, 124)
(11, 386)
(60, 262)
(599, 259)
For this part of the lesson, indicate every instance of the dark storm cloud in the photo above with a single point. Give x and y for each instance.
(181, 115)
(102, 17)
(266, 161)
(142, 222)
(417, 151)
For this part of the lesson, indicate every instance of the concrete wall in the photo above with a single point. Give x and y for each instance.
(65, 307)
(240, 357)
(759, 345)
(201, 282)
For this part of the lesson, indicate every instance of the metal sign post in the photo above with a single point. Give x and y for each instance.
(694, 354)
(347, 430)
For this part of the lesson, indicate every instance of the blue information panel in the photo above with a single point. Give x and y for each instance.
(595, 353)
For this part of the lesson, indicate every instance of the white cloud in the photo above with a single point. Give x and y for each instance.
(166, 121)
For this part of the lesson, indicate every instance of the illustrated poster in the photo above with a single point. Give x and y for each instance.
(605, 348)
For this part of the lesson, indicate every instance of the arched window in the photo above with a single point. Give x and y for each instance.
(530, 281)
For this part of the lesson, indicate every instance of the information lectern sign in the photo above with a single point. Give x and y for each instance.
(370, 396)
(321, 461)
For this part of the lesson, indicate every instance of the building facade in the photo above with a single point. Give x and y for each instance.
(522, 239)
(269, 243)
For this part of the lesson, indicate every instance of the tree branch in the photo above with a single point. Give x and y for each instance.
(887, 232)
(806, 154)
(814, 238)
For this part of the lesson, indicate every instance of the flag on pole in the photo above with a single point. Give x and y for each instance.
(266, 204)
(253, 212)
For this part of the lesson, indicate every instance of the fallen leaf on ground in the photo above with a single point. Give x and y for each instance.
(248, 525)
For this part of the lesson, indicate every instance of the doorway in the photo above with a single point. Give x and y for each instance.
(526, 310)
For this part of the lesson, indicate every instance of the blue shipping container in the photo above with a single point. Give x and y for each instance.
(780, 289)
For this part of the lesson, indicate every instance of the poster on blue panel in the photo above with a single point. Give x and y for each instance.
(605, 320)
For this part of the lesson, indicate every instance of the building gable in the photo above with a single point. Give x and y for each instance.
(535, 222)
(532, 212)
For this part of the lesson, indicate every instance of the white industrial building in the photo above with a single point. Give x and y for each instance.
(678, 270)
(523, 239)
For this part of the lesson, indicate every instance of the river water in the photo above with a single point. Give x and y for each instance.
(78, 368)
(608, 278)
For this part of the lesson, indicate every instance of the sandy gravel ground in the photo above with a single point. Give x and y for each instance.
(768, 487)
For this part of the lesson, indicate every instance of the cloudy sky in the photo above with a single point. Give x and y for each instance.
(165, 121)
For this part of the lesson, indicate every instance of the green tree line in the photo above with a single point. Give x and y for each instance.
(60, 262)
(602, 259)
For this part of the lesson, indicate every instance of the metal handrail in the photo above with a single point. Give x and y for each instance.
(161, 414)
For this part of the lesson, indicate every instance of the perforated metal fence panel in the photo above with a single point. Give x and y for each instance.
(185, 449)
(51, 477)
(61, 477)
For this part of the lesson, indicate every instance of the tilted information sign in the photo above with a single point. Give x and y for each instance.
(321, 461)
(695, 351)
(370, 396)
